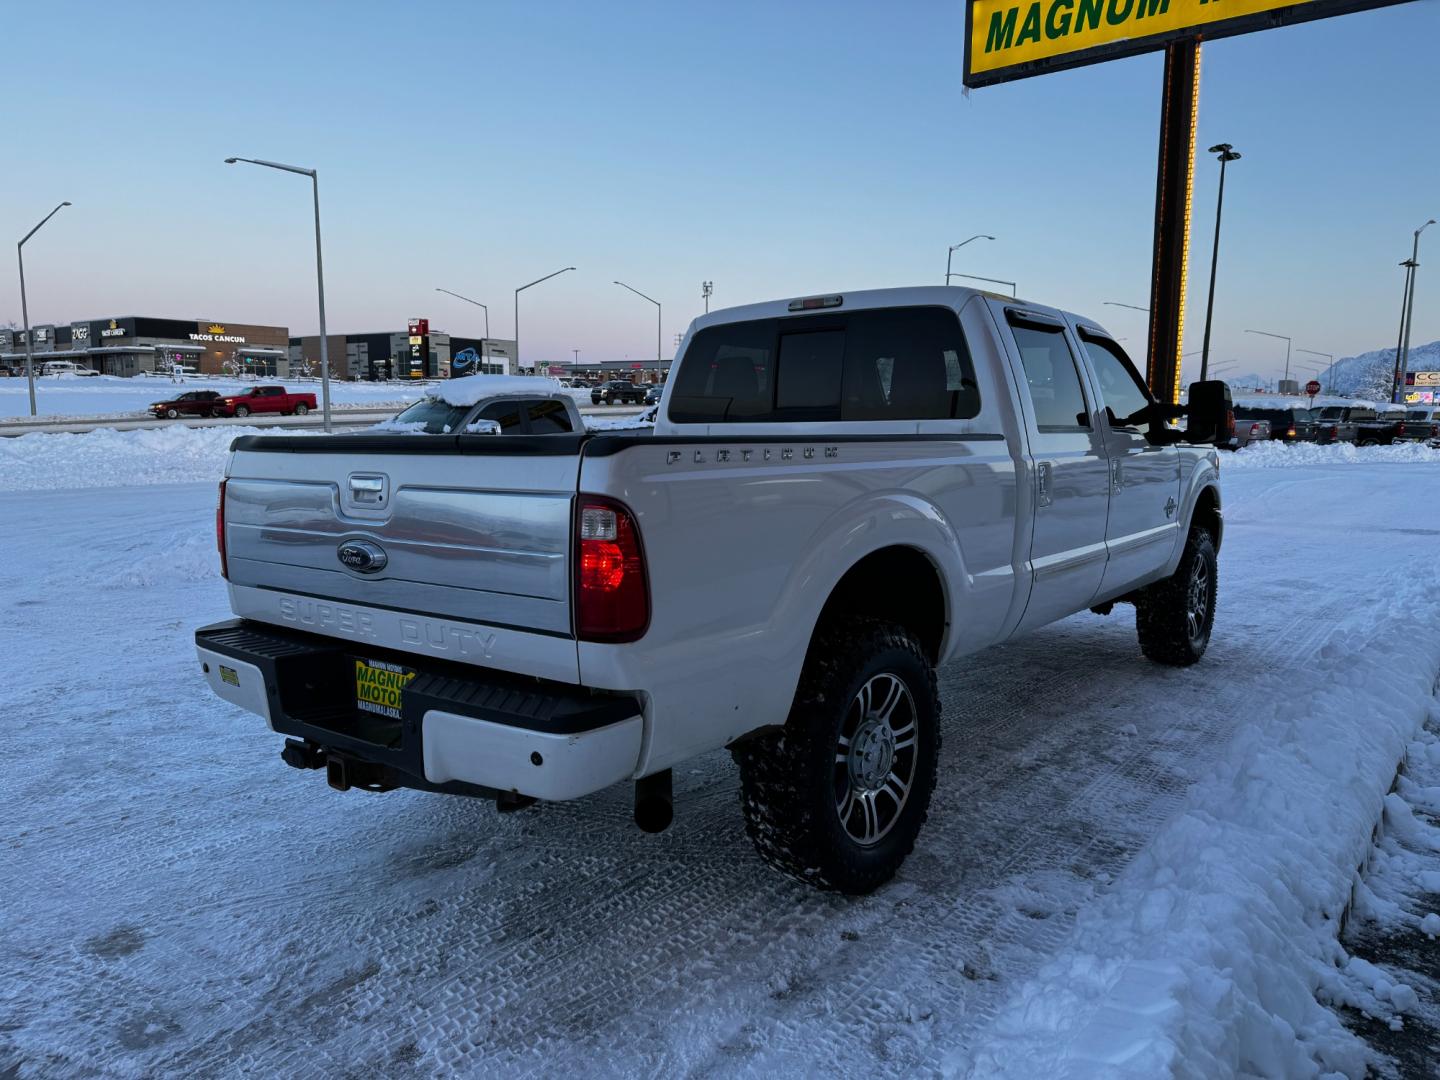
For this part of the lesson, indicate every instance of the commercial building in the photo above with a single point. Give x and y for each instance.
(416, 352)
(130, 344)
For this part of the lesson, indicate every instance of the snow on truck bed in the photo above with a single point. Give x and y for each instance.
(1128, 870)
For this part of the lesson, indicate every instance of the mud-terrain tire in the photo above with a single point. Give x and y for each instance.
(861, 675)
(1175, 617)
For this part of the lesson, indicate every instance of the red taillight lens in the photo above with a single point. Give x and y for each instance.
(1229, 422)
(1290, 434)
(1254, 431)
(1400, 429)
(220, 532)
(612, 599)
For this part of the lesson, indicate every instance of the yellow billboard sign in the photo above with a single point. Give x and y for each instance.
(1014, 39)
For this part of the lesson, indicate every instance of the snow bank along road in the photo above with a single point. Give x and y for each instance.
(177, 901)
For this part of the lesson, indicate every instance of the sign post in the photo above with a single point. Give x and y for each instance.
(1016, 39)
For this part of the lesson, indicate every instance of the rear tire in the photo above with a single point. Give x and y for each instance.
(1174, 618)
(301, 409)
(836, 798)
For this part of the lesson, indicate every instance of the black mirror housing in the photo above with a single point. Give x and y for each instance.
(1210, 414)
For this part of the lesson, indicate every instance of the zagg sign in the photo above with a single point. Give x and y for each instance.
(1014, 39)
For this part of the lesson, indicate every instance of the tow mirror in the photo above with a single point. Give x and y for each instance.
(1210, 414)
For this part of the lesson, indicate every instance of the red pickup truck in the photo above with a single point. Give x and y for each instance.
(265, 399)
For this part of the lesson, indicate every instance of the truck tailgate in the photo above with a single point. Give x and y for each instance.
(469, 528)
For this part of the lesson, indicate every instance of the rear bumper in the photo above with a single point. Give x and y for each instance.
(460, 729)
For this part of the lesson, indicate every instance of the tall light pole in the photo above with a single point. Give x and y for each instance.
(1226, 153)
(1410, 304)
(518, 291)
(658, 312)
(1282, 337)
(706, 288)
(1330, 367)
(1409, 265)
(24, 308)
(1132, 307)
(319, 272)
(954, 247)
(477, 303)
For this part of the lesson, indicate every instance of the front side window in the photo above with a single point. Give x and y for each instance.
(1051, 377)
(879, 364)
(437, 417)
(1121, 391)
(504, 413)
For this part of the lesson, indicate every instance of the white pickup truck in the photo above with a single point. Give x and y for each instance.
(839, 494)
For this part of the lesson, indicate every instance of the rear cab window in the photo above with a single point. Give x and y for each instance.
(868, 364)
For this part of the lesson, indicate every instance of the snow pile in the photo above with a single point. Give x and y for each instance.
(472, 389)
(1278, 455)
(172, 454)
(645, 419)
(1206, 956)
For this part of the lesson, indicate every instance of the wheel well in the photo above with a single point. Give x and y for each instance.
(1207, 514)
(898, 584)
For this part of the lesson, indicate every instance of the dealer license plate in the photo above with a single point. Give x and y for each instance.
(378, 686)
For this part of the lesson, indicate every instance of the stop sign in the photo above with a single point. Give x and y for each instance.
(1312, 388)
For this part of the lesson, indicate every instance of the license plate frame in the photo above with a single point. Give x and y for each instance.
(379, 685)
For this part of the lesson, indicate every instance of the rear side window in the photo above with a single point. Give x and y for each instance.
(1052, 378)
(549, 418)
(885, 364)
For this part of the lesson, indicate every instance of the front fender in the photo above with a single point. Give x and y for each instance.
(1204, 476)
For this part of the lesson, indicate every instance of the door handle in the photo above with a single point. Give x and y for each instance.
(1115, 479)
(1044, 483)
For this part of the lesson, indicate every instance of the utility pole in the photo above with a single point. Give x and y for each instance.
(1227, 153)
(1410, 306)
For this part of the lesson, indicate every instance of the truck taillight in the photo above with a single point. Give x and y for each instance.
(1290, 434)
(612, 599)
(1254, 431)
(220, 532)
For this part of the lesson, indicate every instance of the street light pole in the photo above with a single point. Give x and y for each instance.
(518, 291)
(658, 312)
(1282, 337)
(1132, 307)
(1329, 368)
(477, 303)
(950, 254)
(319, 272)
(1410, 303)
(1227, 153)
(25, 308)
(706, 288)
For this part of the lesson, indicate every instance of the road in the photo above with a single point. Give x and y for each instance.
(344, 417)
(179, 902)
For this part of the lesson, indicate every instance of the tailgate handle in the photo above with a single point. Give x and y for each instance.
(368, 490)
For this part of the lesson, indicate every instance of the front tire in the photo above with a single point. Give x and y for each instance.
(241, 410)
(172, 414)
(1174, 617)
(836, 798)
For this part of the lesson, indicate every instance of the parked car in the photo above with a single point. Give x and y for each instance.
(265, 399)
(190, 403)
(1246, 432)
(8, 371)
(1423, 416)
(521, 619)
(66, 367)
(513, 407)
(1339, 423)
(1287, 424)
(653, 392)
(617, 392)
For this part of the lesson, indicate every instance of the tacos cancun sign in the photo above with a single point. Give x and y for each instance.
(216, 332)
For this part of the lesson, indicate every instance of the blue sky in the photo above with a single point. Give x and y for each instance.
(776, 149)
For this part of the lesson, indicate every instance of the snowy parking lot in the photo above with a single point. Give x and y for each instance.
(1126, 867)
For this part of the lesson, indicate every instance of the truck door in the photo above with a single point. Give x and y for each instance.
(1069, 471)
(1144, 478)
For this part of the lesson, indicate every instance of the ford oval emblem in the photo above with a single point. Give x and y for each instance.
(362, 556)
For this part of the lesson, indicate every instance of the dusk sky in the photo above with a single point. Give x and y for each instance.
(776, 149)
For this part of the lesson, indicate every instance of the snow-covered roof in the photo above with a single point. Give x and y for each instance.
(470, 389)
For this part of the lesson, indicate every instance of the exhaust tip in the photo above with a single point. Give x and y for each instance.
(654, 802)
